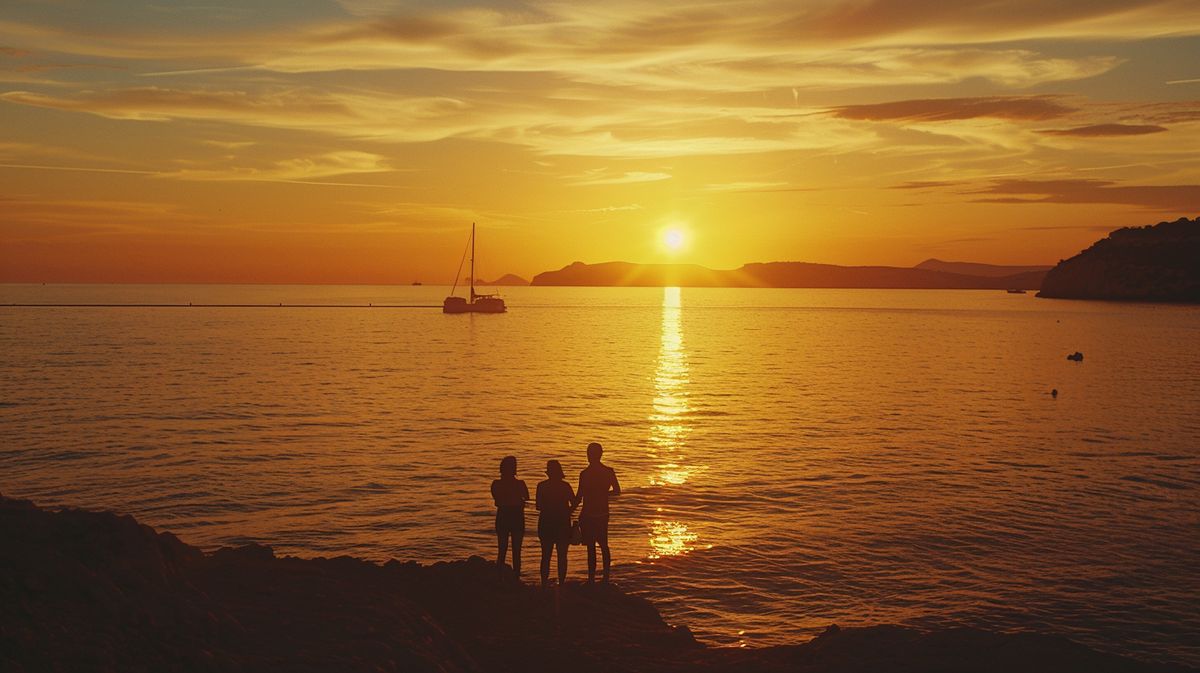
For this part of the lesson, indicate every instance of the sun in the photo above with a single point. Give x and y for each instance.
(674, 239)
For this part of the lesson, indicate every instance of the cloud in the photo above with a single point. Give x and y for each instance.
(1104, 130)
(586, 125)
(1173, 198)
(300, 169)
(1170, 112)
(1059, 227)
(628, 177)
(982, 20)
(609, 209)
(31, 219)
(80, 169)
(614, 79)
(926, 184)
(745, 186)
(157, 104)
(949, 109)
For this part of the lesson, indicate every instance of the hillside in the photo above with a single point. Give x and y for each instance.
(1152, 263)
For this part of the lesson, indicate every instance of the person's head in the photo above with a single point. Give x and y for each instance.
(554, 469)
(508, 466)
(594, 452)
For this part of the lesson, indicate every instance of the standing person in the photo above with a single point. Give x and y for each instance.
(555, 502)
(596, 482)
(510, 495)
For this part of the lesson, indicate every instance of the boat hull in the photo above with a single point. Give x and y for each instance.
(480, 305)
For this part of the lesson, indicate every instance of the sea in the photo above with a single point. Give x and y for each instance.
(788, 458)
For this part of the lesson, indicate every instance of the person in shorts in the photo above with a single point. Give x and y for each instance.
(555, 502)
(597, 482)
(510, 495)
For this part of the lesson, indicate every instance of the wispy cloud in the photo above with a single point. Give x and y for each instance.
(534, 113)
(625, 178)
(611, 209)
(1106, 130)
(158, 104)
(746, 186)
(949, 109)
(345, 162)
(1171, 198)
(927, 184)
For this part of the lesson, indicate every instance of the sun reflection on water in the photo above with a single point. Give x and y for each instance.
(669, 428)
(670, 538)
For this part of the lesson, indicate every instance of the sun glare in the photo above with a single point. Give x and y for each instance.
(674, 239)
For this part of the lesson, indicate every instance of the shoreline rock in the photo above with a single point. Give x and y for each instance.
(96, 591)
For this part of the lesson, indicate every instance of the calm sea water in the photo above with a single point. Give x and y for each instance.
(790, 458)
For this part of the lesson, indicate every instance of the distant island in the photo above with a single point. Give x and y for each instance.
(930, 274)
(1152, 263)
(94, 591)
(508, 279)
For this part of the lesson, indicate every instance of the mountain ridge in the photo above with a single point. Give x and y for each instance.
(785, 274)
(980, 269)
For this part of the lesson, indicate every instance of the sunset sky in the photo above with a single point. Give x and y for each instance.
(356, 140)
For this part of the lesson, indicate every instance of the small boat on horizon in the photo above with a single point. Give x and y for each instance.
(416, 282)
(477, 303)
(1014, 291)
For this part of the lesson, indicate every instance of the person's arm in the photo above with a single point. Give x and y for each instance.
(574, 501)
(577, 495)
(524, 492)
(538, 502)
(494, 498)
(616, 485)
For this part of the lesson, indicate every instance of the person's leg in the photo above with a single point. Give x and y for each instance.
(501, 544)
(591, 546)
(587, 526)
(562, 561)
(602, 540)
(518, 536)
(547, 546)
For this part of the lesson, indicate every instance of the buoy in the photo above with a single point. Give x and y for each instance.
(1054, 393)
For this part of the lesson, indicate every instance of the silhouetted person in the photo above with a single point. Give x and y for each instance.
(596, 482)
(510, 495)
(555, 502)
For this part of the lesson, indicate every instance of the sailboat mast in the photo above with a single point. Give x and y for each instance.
(472, 262)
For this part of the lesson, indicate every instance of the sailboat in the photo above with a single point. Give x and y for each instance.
(478, 303)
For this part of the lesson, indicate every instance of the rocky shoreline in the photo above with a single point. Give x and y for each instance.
(95, 591)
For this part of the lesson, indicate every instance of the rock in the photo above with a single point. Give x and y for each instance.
(85, 591)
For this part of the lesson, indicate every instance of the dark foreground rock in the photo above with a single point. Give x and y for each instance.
(1155, 263)
(89, 591)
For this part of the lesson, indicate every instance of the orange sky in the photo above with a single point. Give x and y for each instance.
(356, 140)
